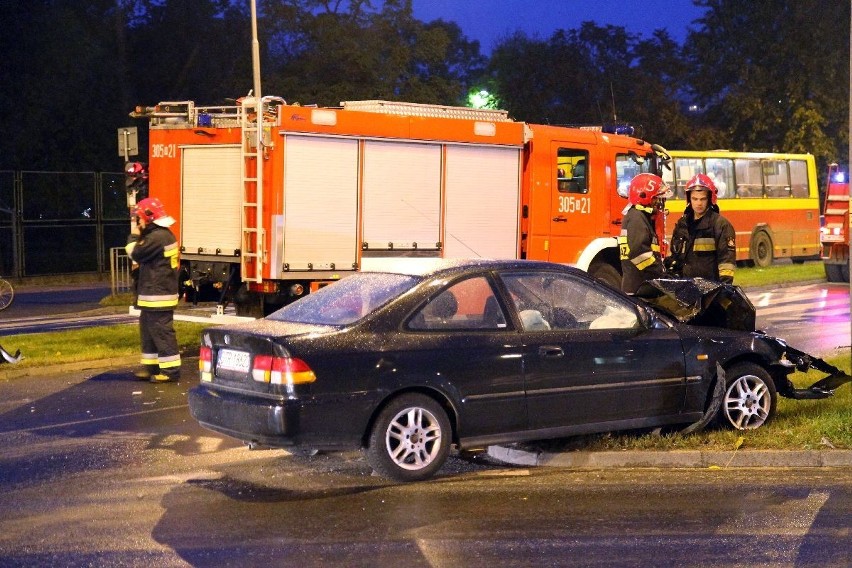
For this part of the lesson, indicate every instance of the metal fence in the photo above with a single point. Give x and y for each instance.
(119, 269)
(61, 222)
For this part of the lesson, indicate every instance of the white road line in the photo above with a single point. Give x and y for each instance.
(798, 516)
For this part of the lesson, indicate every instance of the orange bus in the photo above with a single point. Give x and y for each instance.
(771, 199)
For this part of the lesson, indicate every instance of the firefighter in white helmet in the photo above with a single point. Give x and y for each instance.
(638, 243)
(155, 250)
(703, 242)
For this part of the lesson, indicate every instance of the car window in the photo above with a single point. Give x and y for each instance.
(465, 305)
(347, 300)
(550, 300)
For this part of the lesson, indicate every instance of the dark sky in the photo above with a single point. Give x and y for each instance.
(489, 20)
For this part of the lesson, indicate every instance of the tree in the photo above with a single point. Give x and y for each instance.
(775, 76)
(321, 53)
(594, 75)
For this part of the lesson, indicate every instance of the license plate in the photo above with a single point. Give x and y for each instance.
(231, 360)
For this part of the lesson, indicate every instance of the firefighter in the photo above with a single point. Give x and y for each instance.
(703, 242)
(638, 243)
(154, 248)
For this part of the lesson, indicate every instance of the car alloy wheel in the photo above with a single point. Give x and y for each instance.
(410, 439)
(749, 399)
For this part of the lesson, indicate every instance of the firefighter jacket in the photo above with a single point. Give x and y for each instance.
(639, 249)
(705, 247)
(155, 250)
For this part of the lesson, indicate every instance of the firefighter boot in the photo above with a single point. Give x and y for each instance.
(146, 372)
(171, 376)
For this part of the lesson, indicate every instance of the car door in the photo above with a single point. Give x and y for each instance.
(462, 342)
(588, 356)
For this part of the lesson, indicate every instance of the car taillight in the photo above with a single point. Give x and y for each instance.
(205, 364)
(281, 370)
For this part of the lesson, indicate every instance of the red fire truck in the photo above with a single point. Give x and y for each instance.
(273, 200)
(834, 230)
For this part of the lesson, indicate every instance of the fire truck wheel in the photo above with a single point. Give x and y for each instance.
(837, 272)
(761, 249)
(832, 272)
(248, 304)
(606, 273)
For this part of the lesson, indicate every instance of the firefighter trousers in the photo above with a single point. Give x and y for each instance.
(159, 343)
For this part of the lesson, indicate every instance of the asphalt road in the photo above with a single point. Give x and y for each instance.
(101, 470)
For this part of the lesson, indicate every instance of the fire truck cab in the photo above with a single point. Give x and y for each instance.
(273, 200)
(834, 228)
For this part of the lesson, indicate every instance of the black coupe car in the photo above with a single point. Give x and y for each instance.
(411, 362)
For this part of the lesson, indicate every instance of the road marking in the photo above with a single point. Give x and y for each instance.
(100, 419)
(799, 515)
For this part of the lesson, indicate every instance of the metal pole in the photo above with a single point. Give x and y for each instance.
(255, 52)
(849, 167)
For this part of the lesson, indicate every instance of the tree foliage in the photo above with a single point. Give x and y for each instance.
(774, 76)
(321, 53)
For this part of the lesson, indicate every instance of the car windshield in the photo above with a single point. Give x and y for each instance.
(347, 300)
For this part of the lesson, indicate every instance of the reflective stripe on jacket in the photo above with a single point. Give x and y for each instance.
(157, 254)
(707, 247)
(639, 250)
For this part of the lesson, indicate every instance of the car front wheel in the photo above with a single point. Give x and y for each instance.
(750, 397)
(410, 439)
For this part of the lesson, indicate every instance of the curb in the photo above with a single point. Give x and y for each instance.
(674, 458)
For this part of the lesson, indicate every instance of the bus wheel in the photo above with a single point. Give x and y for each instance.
(606, 273)
(761, 249)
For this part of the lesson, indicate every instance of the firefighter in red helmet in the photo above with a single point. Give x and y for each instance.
(703, 242)
(155, 250)
(638, 244)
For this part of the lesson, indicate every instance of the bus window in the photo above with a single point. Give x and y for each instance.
(571, 170)
(749, 178)
(685, 168)
(721, 171)
(776, 178)
(668, 177)
(627, 168)
(752, 179)
(799, 178)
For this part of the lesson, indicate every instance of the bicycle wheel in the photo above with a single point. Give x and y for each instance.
(7, 293)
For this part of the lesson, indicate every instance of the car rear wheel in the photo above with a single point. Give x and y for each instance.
(750, 397)
(410, 439)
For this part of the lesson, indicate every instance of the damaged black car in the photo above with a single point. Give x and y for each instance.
(431, 356)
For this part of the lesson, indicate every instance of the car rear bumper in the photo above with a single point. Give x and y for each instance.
(280, 422)
(267, 421)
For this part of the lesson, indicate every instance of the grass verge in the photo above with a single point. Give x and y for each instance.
(779, 273)
(91, 343)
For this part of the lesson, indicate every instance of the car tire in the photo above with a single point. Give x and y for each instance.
(410, 439)
(750, 397)
(761, 249)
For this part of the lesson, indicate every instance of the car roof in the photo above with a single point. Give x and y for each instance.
(424, 267)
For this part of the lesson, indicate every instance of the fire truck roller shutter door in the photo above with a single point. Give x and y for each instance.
(320, 202)
(211, 199)
(482, 202)
(402, 195)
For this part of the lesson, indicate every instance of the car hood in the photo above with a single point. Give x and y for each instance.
(697, 301)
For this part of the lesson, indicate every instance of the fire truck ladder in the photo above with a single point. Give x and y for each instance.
(252, 253)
